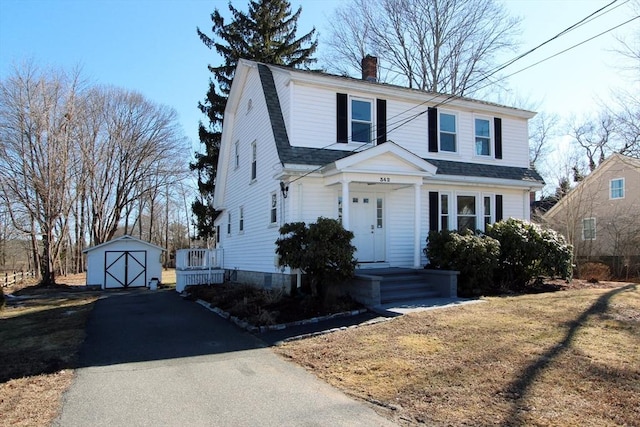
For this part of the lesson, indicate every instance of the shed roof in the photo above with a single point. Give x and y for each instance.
(125, 238)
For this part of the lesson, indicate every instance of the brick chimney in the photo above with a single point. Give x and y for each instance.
(370, 68)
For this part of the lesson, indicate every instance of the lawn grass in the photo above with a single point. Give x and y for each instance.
(562, 358)
(40, 339)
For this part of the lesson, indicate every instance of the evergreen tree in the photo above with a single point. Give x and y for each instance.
(266, 33)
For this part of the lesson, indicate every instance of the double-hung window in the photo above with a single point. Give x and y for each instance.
(237, 154)
(274, 208)
(444, 211)
(241, 222)
(229, 223)
(488, 217)
(361, 120)
(466, 213)
(448, 132)
(483, 137)
(254, 161)
(589, 229)
(616, 188)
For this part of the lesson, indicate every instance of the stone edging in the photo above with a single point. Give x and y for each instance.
(260, 329)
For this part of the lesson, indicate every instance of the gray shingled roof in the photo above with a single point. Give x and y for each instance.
(323, 156)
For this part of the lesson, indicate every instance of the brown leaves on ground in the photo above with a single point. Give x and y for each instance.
(33, 400)
(562, 358)
(40, 336)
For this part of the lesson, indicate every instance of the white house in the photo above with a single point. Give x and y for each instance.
(392, 163)
(124, 262)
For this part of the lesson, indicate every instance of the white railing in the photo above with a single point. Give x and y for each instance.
(198, 259)
(198, 267)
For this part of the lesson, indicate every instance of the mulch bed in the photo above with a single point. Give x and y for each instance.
(261, 307)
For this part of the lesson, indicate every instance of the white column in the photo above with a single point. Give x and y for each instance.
(417, 242)
(345, 205)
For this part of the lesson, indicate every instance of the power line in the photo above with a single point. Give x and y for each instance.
(402, 122)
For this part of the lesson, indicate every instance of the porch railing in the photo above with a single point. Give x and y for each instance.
(198, 259)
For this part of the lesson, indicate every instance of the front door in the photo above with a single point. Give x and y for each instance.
(367, 224)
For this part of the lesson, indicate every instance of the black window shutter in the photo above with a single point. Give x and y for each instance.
(498, 207)
(342, 128)
(434, 211)
(381, 120)
(432, 114)
(497, 129)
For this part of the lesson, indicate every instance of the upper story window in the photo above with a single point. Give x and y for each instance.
(589, 229)
(254, 161)
(483, 137)
(228, 222)
(241, 222)
(448, 132)
(274, 208)
(361, 120)
(616, 188)
(237, 154)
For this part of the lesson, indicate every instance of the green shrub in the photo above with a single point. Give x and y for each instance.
(323, 251)
(474, 256)
(527, 251)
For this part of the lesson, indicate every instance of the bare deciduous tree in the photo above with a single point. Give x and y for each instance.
(440, 46)
(75, 159)
(37, 133)
(542, 129)
(595, 136)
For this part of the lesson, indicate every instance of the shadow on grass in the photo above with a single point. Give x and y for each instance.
(526, 379)
(44, 340)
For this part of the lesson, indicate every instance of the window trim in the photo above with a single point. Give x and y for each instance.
(492, 210)
(372, 112)
(490, 139)
(455, 133)
(611, 181)
(475, 196)
(584, 229)
(237, 154)
(273, 208)
(254, 161)
(441, 206)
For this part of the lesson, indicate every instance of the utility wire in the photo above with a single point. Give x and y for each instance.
(402, 122)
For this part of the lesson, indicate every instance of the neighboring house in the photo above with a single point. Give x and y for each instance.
(392, 163)
(601, 215)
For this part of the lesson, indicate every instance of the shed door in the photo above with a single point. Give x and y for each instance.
(125, 269)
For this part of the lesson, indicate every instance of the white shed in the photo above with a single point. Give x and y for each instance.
(124, 262)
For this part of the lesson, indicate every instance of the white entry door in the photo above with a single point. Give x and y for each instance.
(367, 224)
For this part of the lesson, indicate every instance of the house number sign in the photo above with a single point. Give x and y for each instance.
(385, 179)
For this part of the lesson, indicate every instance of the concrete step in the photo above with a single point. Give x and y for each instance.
(405, 286)
(407, 296)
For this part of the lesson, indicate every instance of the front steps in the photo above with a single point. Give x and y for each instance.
(402, 284)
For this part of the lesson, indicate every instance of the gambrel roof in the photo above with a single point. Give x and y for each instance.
(324, 156)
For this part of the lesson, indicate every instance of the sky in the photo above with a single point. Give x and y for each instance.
(151, 46)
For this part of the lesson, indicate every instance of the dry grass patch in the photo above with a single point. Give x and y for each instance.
(563, 358)
(40, 339)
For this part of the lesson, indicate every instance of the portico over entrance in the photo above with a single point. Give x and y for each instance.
(367, 182)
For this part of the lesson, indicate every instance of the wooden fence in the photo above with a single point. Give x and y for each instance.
(15, 277)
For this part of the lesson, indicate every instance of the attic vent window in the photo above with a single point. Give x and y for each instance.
(249, 105)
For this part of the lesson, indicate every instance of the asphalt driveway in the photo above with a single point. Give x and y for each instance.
(154, 359)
